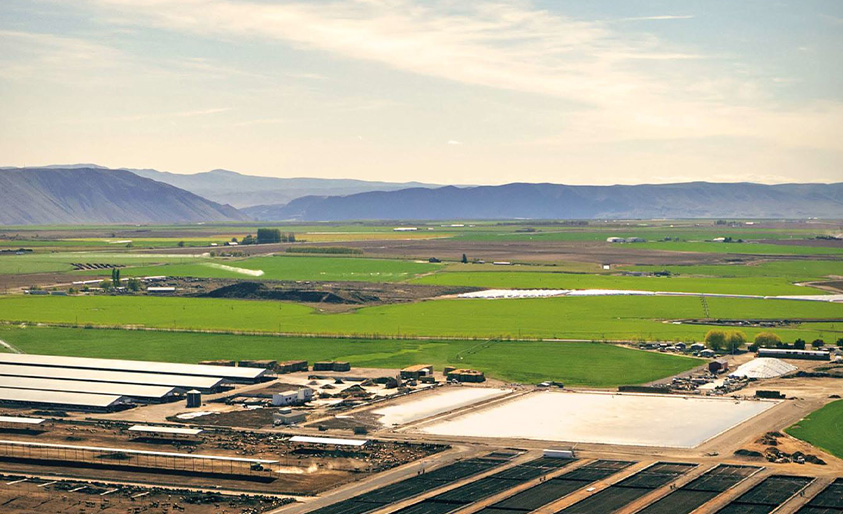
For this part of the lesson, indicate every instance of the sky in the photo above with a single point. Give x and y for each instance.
(447, 92)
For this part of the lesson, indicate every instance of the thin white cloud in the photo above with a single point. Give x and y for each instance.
(514, 46)
(660, 17)
(454, 142)
(179, 114)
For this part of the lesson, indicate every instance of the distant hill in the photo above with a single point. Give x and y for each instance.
(553, 201)
(95, 195)
(246, 190)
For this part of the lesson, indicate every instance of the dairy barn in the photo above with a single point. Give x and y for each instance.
(50, 381)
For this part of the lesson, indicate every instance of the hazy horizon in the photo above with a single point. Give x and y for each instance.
(435, 92)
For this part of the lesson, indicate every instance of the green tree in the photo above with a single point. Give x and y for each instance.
(181, 244)
(115, 277)
(767, 340)
(734, 340)
(464, 259)
(133, 284)
(817, 343)
(248, 240)
(799, 344)
(269, 235)
(106, 284)
(715, 340)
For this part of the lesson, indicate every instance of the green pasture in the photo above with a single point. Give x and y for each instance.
(763, 286)
(37, 262)
(590, 318)
(289, 267)
(822, 428)
(795, 270)
(580, 364)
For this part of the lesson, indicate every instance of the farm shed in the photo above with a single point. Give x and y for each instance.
(292, 397)
(16, 423)
(165, 433)
(718, 366)
(794, 354)
(145, 393)
(60, 399)
(417, 371)
(114, 377)
(247, 375)
(291, 366)
(327, 441)
(287, 416)
(467, 375)
(331, 366)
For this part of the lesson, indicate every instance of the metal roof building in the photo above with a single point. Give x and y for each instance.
(147, 429)
(136, 391)
(117, 377)
(328, 441)
(61, 398)
(199, 370)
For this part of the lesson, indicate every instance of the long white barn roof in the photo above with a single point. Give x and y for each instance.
(59, 397)
(200, 370)
(147, 429)
(328, 440)
(119, 377)
(84, 386)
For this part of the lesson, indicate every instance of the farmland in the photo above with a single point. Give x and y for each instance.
(545, 280)
(822, 428)
(295, 268)
(586, 364)
(594, 318)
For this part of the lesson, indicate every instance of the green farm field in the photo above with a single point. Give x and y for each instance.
(589, 318)
(793, 270)
(580, 364)
(61, 261)
(822, 428)
(286, 267)
(764, 286)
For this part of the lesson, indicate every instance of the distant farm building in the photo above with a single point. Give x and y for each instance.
(264, 363)
(292, 397)
(287, 416)
(624, 240)
(416, 372)
(718, 366)
(291, 366)
(783, 353)
(331, 366)
(49, 381)
(467, 375)
(405, 229)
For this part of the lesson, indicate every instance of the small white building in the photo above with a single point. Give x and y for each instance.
(292, 397)
(615, 240)
(287, 416)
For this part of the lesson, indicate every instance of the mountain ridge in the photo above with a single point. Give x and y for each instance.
(52, 195)
(559, 201)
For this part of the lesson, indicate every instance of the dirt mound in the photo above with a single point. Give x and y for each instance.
(260, 291)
